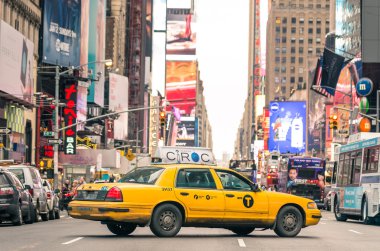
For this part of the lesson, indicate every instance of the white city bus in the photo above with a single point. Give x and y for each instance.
(356, 192)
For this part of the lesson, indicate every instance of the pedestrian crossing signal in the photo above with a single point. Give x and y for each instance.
(162, 118)
(333, 122)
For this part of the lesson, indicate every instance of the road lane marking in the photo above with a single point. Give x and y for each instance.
(356, 232)
(241, 243)
(323, 223)
(68, 218)
(69, 242)
(63, 216)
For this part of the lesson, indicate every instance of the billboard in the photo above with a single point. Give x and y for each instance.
(287, 132)
(186, 132)
(181, 33)
(61, 32)
(158, 62)
(70, 117)
(96, 50)
(118, 101)
(16, 63)
(181, 78)
(81, 104)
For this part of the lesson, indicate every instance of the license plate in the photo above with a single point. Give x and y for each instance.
(92, 195)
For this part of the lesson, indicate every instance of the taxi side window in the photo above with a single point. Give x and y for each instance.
(231, 181)
(195, 178)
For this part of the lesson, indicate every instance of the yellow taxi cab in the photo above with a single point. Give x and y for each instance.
(186, 189)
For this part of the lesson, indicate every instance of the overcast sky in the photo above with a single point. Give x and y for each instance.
(222, 50)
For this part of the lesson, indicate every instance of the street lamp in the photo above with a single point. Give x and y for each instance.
(107, 62)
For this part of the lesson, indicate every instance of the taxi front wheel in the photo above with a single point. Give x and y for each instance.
(166, 221)
(121, 229)
(289, 222)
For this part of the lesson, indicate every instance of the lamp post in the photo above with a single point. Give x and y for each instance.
(58, 75)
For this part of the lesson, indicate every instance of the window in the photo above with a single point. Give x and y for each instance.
(318, 40)
(310, 30)
(293, 40)
(277, 80)
(300, 49)
(355, 178)
(142, 175)
(301, 40)
(319, 6)
(283, 80)
(318, 21)
(318, 31)
(278, 20)
(277, 59)
(327, 30)
(310, 50)
(232, 181)
(310, 40)
(277, 50)
(19, 174)
(17, 24)
(284, 20)
(283, 60)
(283, 69)
(293, 50)
(292, 60)
(278, 40)
(300, 60)
(276, 69)
(311, 20)
(3, 180)
(302, 20)
(300, 70)
(283, 89)
(294, 30)
(294, 20)
(310, 6)
(371, 160)
(292, 69)
(195, 178)
(301, 5)
(318, 51)
(284, 30)
(284, 39)
(278, 29)
(283, 49)
(300, 79)
(292, 80)
(301, 30)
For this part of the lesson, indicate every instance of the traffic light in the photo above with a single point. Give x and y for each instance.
(333, 121)
(162, 118)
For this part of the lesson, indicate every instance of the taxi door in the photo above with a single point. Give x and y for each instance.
(242, 204)
(196, 189)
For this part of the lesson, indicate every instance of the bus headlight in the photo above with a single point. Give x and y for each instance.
(312, 205)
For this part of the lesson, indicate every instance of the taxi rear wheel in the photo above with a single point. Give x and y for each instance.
(242, 230)
(122, 229)
(289, 222)
(166, 221)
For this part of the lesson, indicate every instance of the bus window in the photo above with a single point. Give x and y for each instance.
(334, 173)
(371, 160)
(356, 172)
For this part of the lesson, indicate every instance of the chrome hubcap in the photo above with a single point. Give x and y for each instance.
(167, 220)
(290, 222)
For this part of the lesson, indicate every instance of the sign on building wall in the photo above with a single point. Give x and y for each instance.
(154, 125)
(70, 116)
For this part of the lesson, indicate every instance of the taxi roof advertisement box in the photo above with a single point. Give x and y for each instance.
(185, 155)
(16, 63)
(61, 34)
(287, 131)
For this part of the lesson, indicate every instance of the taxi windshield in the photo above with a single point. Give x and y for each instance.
(142, 175)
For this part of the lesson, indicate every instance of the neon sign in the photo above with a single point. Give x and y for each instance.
(70, 116)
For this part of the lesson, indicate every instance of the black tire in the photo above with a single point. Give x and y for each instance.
(57, 215)
(30, 218)
(51, 215)
(36, 213)
(338, 216)
(45, 217)
(121, 229)
(365, 218)
(242, 231)
(18, 218)
(166, 221)
(289, 222)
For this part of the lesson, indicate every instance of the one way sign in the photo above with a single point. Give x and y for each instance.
(4, 130)
(55, 141)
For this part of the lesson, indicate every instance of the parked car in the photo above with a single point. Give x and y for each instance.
(30, 177)
(52, 201)
(16, 204)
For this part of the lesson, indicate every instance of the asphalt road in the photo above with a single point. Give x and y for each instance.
(71, 234)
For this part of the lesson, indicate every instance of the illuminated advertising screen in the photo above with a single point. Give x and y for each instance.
(181, 33)
(61, 32)
(287, 132)
(70, 116)
(181, 90)
(186, 132)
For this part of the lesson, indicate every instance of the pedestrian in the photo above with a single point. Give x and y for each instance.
(82, 180)
(112, 179)
(253, 171)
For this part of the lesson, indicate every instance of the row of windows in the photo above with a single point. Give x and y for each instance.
(301, 20)
(293, 50)
(292, 69)
(292, 80)
(301, 6)
(301, 30)
(300, 40)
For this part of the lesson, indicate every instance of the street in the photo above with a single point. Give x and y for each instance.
(71, 234)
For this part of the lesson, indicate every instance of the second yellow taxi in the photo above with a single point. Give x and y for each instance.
(186, 189)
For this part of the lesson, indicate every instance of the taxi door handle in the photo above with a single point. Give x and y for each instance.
(184, 194)
(230, 195)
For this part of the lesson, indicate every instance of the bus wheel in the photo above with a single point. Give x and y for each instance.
(338, 215)
(366, 219)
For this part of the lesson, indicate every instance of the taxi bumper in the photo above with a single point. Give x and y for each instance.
(108, 211)
(312, 217)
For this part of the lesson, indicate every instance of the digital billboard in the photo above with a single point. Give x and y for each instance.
(96, 50)
(181, 78)
(16, 63)
(181, 33)
(61, 32)
(118, 101)
(287, 132)
(186, 132)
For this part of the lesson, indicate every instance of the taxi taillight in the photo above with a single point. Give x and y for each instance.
(114, 194)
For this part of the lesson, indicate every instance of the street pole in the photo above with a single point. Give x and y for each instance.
(377, 110)
(56, 126)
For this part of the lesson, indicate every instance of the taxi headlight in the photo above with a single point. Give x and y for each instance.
(312, 205)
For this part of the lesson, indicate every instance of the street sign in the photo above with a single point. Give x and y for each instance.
(4, 130)
(364, 87)
(55, 141)
(48, 134)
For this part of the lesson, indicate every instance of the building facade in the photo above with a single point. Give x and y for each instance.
(20, 21)
(296, 31)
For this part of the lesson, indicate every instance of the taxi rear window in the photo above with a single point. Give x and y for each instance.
(143, 175)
